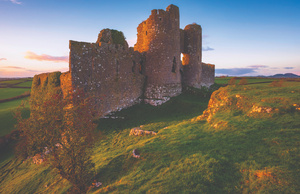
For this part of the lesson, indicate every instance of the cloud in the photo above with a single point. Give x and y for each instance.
(235, 71)
(16, 2)
(13, 67)
(258, 66)
(2, 59)
(207, 48)
(288, 67)
(44, 57)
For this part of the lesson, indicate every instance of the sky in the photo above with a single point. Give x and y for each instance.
(241, 37)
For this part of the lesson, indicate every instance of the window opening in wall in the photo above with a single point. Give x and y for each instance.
(174, 65)
(133, 66)
(117, 67)
(146, 32)
(141, 67)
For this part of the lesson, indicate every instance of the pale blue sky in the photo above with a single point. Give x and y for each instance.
(241, 37)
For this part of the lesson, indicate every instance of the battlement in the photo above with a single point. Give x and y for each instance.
(119, 76)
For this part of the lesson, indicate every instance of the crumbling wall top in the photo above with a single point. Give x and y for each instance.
(111, 36)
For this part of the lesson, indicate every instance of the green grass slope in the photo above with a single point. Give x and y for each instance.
(247, 141)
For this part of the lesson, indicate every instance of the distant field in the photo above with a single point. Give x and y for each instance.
(250, 80)
(7, 120)
(23, 82)
(11, 92)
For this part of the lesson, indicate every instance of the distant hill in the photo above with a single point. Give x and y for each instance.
(286, 75)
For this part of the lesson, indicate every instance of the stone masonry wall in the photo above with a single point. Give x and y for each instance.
(107, 71)
(192, 56)
(208, 74)
(159, 40)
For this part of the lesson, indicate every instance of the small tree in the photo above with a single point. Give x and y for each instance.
(65, 127)
(277, 83)
(243, 81)
(232, 81)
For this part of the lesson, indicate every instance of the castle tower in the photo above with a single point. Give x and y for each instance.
(158, 39)
(192, 56)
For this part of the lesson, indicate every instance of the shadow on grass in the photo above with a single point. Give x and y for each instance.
(179, 108)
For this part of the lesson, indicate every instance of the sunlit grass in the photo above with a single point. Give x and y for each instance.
(250, 154)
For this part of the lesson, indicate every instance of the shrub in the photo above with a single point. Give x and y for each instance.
(118, 37)
(243, 81)
(277, 83)
(232, 81)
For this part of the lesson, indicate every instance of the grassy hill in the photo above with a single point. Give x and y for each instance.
(247, 141)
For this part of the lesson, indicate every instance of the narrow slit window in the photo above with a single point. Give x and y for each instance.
(174, 65)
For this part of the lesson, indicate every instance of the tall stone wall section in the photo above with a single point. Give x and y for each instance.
(208, 75)
(192, 56)
(158, 39)
(107, 71)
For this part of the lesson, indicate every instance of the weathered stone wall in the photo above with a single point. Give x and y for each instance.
(43, 87)
(192, 56)
(208, 74)
(107, 71)
(66, 83)
(158, 39)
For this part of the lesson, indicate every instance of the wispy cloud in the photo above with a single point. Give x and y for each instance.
(207, 48)
(44, 57)
(258, 66)
(288, 67)
(16, 2)
(17, 68)
(3, 59)
(235, 71)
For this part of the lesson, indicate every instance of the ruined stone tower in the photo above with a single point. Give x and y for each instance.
(119, 77)
(158, 39)
(192, 56)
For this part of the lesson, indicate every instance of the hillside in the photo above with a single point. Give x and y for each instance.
(246, 141)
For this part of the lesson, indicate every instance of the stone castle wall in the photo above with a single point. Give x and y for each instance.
(107, 71)
(192, 56)
(118, 76)
(159, 40)
(208, 74)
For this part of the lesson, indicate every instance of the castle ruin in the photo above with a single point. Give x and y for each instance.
(152, 71)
